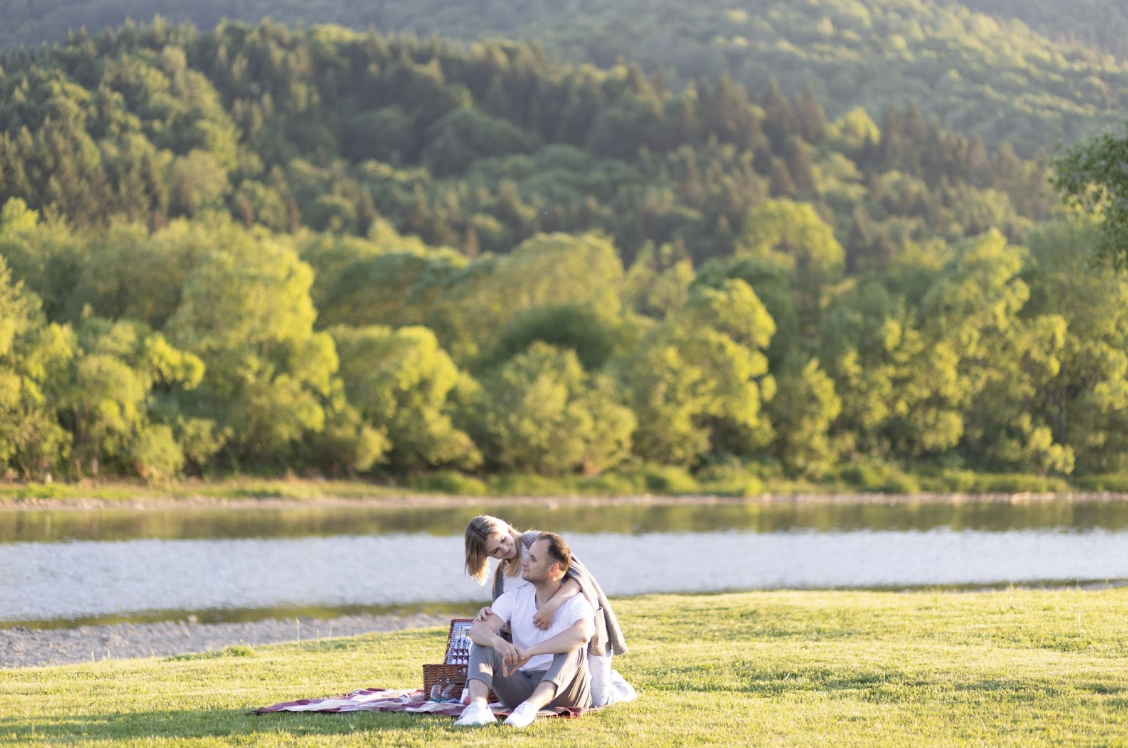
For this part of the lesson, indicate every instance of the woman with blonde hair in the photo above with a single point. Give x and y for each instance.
(489, 537)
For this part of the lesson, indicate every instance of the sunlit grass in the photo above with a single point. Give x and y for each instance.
(1009, 667)
(652, 480)
(294, 489)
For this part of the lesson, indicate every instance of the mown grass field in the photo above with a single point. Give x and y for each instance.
(826, 668)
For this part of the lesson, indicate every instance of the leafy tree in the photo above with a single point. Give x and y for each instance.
(658, 281)
(44, 255)
(1084, 403)
(31, 440)
(247, 313)
(119, 376)
(697, 382)
(774, 286)
(401, 383)
(802, 413)
(793, 235)
(1003, 358)
(593, 336)
(391, 287)
(544, 270)
(1090, 175)
(900, 390)
(540, 412)
(131, 273)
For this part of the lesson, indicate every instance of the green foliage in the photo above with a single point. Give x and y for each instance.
(594, 337)
(156, 454)
(540, 412)
(263, 248)
(610, 484)
(662, 479)
(115, 388)
(1004, 358)
(1083, 24)
(31, 356)
(449, 483)
(170, 123)
(1019, 483)
(802, 412)
(386, 281)
(658, 281)
(523, 484)
(793, 234)
(1083, 402)
(1090, 177)
(401, 383)
(1027, 74)
(879, 477)
(1117, 482)
(697, 381)
(900, 389)
(247, 313)
(728, 478)
(545, 270)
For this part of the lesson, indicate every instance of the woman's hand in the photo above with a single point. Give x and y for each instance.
(483, 614)
(543, 617)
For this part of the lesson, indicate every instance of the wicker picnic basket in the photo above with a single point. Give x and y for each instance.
(452, 670)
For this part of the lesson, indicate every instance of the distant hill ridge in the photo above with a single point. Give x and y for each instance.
(1008, 80)
(1098, 24)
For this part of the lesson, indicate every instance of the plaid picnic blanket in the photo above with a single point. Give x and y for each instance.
(390, 700)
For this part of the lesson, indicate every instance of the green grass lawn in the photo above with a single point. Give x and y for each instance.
(838, 668)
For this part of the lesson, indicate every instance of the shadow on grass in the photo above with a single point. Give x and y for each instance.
(773, 682)
(224, 724)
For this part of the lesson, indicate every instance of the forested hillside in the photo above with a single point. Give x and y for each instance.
(475, 150)
(976, 74)
(1100, 25)
(333, 252)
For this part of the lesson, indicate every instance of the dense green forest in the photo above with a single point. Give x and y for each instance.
(476, 150)
(1100, 25)
(997, 78)
(344, 253)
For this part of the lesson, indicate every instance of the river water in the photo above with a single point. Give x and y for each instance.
(69, 567)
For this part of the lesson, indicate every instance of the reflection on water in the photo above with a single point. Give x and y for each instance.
(70, 580)
(77, 565)
(170, 524)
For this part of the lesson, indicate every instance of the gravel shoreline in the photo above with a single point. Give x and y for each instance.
(24, 647)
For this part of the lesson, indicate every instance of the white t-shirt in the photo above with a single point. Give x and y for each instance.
(517, 608)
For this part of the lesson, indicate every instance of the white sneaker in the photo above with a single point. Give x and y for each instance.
(522, 716)
(475, 715)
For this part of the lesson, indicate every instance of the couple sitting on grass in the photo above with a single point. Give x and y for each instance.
(548, 639)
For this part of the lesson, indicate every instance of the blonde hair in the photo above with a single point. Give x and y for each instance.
(478, 532)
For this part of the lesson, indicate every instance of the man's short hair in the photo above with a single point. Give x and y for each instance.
(558, 549)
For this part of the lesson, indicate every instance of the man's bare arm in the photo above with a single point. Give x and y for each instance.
(573, 637)
(484, 631)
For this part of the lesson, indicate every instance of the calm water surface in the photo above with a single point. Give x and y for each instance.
(78, 566)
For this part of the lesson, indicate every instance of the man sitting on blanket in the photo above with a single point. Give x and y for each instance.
(538, 668)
